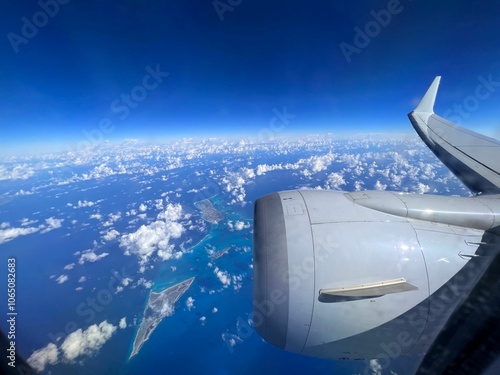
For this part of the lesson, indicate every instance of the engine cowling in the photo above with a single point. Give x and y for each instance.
(336, 279)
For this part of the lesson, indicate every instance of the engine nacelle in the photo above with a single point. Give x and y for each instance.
(336, 279)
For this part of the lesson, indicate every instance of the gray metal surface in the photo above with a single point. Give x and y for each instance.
(271, 291)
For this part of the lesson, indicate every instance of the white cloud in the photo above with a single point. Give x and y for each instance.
(380, 186)
(238, 225)
(10, 233)
(61, 279)
(26, 192)
(375, 367)
(88, 342)
(126, 281)
(214, 310)
(17, 172)
(334, 181)
(26, 221)
(90, 256)
(264, 168)
(190, 303)
(123, 323)
(110, 235)
(422, 188)
(51, 224)
(223, 277)
(155, 237)
(41, 357)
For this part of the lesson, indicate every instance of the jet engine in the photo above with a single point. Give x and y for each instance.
(353, 275)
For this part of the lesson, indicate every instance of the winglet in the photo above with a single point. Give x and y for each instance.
(426, 105)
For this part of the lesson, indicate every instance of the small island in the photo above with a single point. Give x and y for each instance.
(210, 214)
(220, 253)
(159, 305)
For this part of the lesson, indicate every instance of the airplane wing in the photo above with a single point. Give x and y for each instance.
(470, 340)
(472, 157)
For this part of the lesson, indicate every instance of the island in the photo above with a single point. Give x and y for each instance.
(210, 214)
(159, 305)
(220, 253)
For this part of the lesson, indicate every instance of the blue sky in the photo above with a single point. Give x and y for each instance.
(234, 64)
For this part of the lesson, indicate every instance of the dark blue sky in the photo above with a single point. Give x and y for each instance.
(231, 76)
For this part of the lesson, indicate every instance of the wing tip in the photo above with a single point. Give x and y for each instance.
(426, 104)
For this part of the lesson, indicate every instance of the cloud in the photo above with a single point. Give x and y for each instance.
(238, 225)
(110, 235)
(380, 186)
(422, 188)
(84, 203)
(123, 323)
(90, 256)
(76, 345)
(62, 279)
(155, 237)
(223, 277)
(41, 357)
(10, 233)
(88, 342)
(375, 367)
(17, 172)
(51, 224)
(334, 181)
(190, 303)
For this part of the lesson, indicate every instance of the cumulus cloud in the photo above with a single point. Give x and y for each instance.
(123, 323)
(380, 186)
(16, 172)
(110, 235)
(190, 303)
(90, 256)
(238, 225)
(335, 181)
(375, 367)
(9, 234)
(41, 357)
(155, 237)
(422, 188)
(51, 224)
(223, 277)
(62, 279)
(88, 342)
